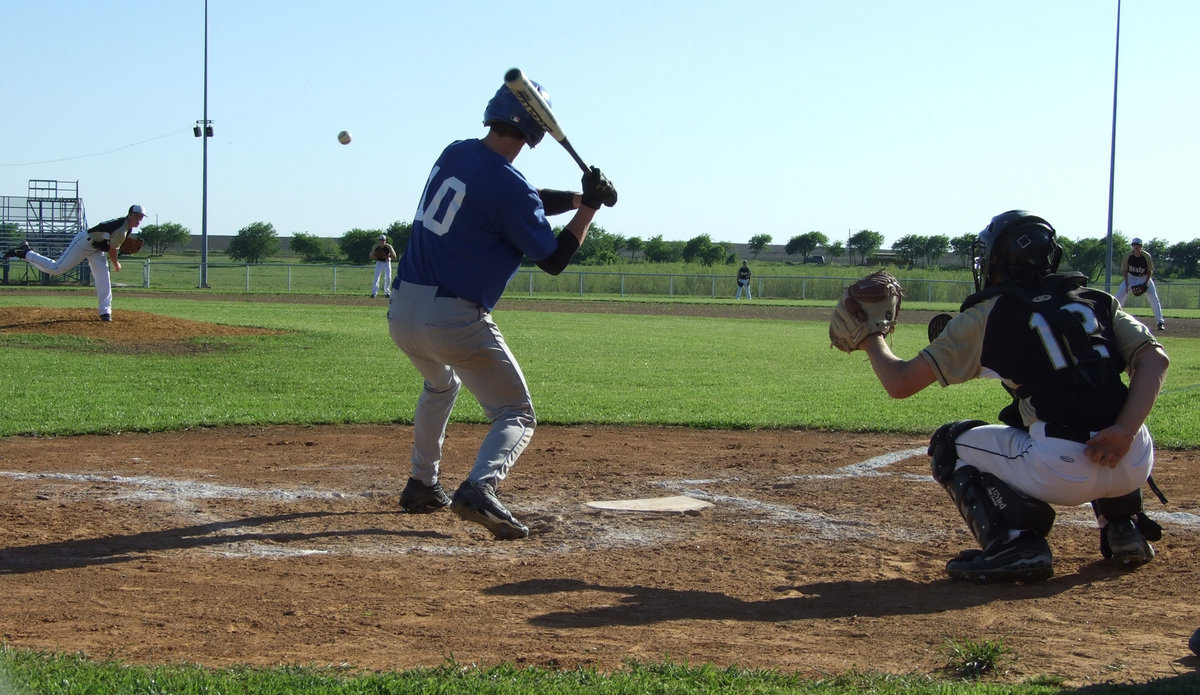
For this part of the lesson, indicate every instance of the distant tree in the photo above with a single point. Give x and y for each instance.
(599, 249)
(659, 251)
(866, 243)
(634, 244)
(398, 234)
(1157, 248)
(963, 247)
(936, 246)
(835, 250)
(312, 248)
(1089, 256)
(909, 248)
(160, 237)
(805, 244)
(356, 244)
(758, 242)
(254, 243)
(702, 250)
(1185, 256)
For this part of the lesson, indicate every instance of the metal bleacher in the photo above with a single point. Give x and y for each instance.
(48, 217)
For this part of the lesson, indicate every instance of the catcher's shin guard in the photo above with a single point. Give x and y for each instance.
(983, 519)
(991, 507)
(942, 452)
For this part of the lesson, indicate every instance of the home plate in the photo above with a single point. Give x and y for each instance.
(678, 503)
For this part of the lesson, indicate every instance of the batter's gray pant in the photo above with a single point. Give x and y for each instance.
(454, 342)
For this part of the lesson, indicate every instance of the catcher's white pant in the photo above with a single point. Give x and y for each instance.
(454, 342)
(1151, 294)
(79, 250)
(1053, 470)
(383, 269)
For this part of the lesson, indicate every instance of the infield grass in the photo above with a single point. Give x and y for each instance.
(337, 364)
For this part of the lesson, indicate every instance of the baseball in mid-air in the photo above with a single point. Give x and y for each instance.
(344, 137)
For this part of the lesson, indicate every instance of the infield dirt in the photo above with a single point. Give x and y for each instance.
(823, 552)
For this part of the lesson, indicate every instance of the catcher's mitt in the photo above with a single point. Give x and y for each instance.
(937, 324)
(870, 305)
(132, 244)
(1138, 290)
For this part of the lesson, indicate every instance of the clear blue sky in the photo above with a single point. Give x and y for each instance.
(722, 118)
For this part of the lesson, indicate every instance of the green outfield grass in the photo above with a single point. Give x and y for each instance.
(337, 364)
(326, 367)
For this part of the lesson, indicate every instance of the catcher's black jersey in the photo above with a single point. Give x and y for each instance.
(1059, 348)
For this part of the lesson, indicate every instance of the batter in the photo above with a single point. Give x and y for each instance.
(476, 220)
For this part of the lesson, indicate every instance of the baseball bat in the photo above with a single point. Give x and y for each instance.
(537, 107)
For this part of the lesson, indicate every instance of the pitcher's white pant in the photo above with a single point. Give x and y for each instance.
(1050, 469)
(79, 250)
(382, 269)
(1151, 294)
(454, 342)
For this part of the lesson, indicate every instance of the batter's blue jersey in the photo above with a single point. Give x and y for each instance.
(476, 220)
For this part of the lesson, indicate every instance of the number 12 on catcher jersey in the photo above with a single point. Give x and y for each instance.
(1049, 339)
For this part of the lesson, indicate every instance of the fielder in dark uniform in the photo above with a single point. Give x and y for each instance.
(1137, 275)
(743, 281)
(1075, 431)
(477, 218)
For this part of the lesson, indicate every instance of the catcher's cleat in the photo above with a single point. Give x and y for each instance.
(106, 317)
(18, 251)
(477, 502)
(419, 498)
(1025, 559)
(1128, 547)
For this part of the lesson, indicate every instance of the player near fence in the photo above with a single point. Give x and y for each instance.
(476, 219)
(1074, 433)
(383, 254)
(98, 246)
(1137, 277)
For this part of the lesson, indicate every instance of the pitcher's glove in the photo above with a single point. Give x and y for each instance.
(132, 244)
(870, 305)
(1138, 290)
(382, 255)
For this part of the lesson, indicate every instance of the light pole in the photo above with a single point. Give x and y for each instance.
(1112, 156)
(203, 129)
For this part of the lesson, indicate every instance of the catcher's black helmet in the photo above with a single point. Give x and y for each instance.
(1016, 245)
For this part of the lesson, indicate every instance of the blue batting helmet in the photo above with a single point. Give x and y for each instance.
(506, 108)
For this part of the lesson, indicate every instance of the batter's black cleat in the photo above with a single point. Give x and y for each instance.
(1128, 546)
(477, 502)
(18, 251)
(106, 317)
(1027, 558)
(419, 498)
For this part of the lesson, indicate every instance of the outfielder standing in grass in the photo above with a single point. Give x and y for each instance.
(477, 218)
(1074, 432)
(1137, 276)
(383, 254)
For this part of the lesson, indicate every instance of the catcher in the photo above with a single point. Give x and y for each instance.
(105, 240)
(383, 254)
(1075, 432)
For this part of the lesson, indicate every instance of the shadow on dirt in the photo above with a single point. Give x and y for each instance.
(125, 548)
